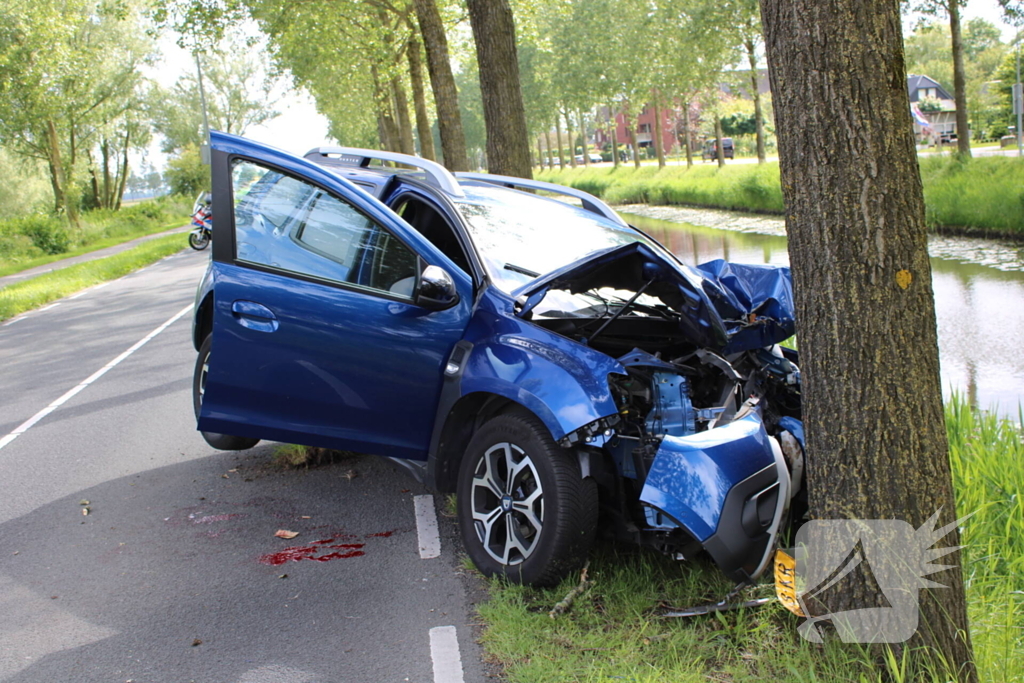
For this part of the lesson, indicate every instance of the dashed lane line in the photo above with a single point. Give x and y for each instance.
(444, 652)
(426, 527)
(25, 426)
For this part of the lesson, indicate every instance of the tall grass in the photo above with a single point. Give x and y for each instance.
(614, 632)
(982, 195)
(987, 458)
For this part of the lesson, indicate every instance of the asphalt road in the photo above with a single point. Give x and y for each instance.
(175, 573)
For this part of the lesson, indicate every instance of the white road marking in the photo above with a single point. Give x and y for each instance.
(46, 308)
(444, 651)
(426, 527)
(14, 320)
(25, 426)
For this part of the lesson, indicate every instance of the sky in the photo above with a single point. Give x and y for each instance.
(299, 128)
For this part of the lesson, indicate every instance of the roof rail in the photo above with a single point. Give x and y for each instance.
(437, 173)
(590, 202)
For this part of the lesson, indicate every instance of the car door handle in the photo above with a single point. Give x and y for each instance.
(254, 316)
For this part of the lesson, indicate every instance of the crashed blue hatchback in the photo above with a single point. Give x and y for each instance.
(512, 341)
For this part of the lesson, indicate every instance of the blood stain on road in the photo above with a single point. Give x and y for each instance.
(311, 552)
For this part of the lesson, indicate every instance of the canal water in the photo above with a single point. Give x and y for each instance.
(979, 291)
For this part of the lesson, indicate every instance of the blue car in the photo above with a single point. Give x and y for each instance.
(512, 341)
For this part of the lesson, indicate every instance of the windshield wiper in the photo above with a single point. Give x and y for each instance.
(519, 269)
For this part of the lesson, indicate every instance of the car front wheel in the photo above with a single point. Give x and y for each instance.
(524, 511)
(222, 442)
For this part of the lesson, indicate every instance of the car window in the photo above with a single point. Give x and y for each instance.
(292, 225)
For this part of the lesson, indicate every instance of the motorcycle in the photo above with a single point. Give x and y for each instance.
(202, 223)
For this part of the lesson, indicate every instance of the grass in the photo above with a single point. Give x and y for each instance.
(980, 195)
(613, 632)
(35, 240)
(23, 296)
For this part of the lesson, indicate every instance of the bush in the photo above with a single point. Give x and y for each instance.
(186, 173)
(47, 233)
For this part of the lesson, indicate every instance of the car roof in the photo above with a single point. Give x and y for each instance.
(354, 164)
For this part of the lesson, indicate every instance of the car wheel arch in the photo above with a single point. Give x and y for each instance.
(465, 417)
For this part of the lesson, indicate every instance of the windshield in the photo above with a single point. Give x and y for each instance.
(520, 236)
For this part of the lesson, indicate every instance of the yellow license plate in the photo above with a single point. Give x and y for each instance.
(785, 582)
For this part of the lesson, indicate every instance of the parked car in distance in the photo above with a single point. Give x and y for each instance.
(710, 149)
(559, 370)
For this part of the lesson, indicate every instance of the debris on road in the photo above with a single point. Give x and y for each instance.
(284, 533)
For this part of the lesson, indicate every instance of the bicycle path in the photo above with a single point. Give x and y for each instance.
(89, 256)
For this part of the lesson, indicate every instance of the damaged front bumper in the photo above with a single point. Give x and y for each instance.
(728, 487)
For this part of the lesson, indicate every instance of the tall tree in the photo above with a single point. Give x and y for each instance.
(876, 441)
(494, 33)
(442, 82)
(951, 8)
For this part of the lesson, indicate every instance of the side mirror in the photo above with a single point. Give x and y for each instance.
(436, 289)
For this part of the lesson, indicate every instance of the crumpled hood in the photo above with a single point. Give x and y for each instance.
(724, 306)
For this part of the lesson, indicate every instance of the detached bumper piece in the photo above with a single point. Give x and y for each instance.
(729, 488)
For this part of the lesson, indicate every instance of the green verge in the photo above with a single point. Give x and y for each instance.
(23, 296)
(12, 268)
(982, 195)
(34, 240)
(612, 631)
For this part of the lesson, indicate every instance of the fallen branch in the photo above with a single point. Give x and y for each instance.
(566, 603)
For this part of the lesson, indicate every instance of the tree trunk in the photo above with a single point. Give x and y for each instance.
(404, 123)
(104, 200)
(442, 83)
(689, 135)
(719, 148)
(756, 94)
(419, 99)
(547, 140)
(123, 180)
(558, 140)
(658, 146)
(615, 141)
(872, 404)
(572, 138)
(58, 177)
(540, 154)
(508, 142)
(963, 131)
(583, 137)
(631, 127)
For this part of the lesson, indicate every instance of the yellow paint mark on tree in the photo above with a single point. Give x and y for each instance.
(904, 278)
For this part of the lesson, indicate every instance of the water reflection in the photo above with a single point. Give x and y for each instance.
(978, 303)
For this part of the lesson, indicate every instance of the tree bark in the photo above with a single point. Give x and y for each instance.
(123, 180)
(442, 83)
(558, 140)
(872, 404)
(719, 147)
(572, 138)
(58, 177)
(583, 137)
(615, 141)
(963, 131)
(658, 147)
(756, 94)
(547, 140)
(419, 99)
(401, 104)
(688, 133)
(508, 141)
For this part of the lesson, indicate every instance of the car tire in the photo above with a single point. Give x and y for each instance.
(222, 442)
(542, 525)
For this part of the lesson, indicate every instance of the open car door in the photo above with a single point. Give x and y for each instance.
(332, 318)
